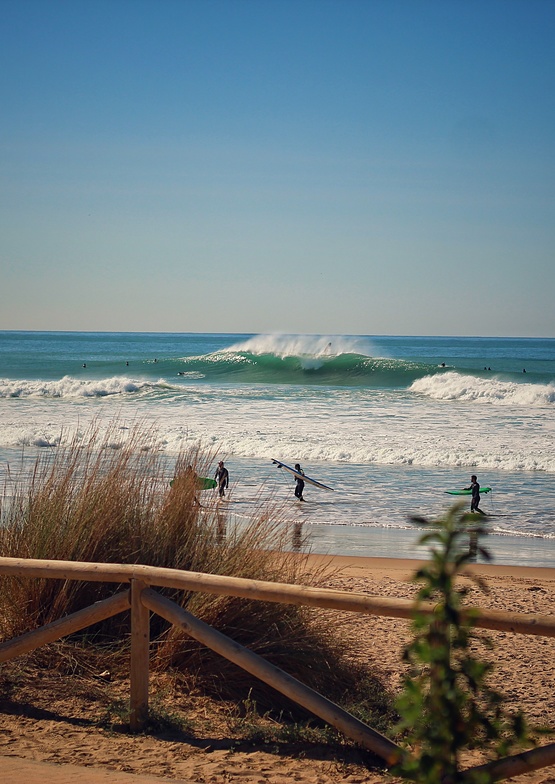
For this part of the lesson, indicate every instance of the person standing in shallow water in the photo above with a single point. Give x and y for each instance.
(475, 501)
(299, 483)
(222, 478)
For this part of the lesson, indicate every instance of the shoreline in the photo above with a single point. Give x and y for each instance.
(353, 522)
(402, 569)
(392, 543)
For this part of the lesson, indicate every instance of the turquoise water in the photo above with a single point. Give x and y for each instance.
(271, 359)
(389, 422)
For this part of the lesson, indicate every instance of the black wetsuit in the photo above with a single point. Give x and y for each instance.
(299, 486)
(222, 477)
(475, 502)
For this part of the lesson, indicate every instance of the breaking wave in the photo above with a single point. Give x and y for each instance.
(69, 387)
(456, 387)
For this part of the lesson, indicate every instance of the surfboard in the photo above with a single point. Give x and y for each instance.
(468, 492)
(304, 477)
(203, 482)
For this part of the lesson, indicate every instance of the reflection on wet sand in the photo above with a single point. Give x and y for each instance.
(221, 527)
(298, 539)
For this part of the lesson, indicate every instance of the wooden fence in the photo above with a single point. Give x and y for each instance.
(141, 599)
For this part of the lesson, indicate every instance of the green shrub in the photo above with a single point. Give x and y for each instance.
(446, 705)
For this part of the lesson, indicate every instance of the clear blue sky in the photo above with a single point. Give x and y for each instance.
(304, 166)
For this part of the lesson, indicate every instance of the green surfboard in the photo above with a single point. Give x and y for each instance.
(468, 492)
(206, 484)
(203, 483)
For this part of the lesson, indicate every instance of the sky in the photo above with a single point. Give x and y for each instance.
(320, 167)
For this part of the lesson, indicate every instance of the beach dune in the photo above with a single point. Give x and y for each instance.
(30, 734)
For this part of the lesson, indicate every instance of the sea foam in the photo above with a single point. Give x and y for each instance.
(304, 345)
(69, 387)
(453, 386)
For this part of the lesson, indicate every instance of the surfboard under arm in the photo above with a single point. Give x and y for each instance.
(468, 492)
(203, 483)
(304, 477)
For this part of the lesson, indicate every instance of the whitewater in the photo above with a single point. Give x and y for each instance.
(390, 422)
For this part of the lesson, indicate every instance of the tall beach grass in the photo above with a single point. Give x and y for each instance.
(107, 497)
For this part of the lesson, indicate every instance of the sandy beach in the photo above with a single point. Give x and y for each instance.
(49, 737)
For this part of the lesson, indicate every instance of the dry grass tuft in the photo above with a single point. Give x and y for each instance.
(107, 498)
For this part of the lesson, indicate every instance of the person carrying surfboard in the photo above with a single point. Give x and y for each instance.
(192, 477)
(188, 479)
(222, 478)
(299, 483)
(475, 500)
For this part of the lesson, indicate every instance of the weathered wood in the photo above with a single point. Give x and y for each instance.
(64, 626)
(140, 639)
(144, 598)
(515, 765)
(519, 623)
(273, 676)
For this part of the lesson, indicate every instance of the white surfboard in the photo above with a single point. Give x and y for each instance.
(304, 477)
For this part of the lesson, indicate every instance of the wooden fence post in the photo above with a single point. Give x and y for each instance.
(140, 641)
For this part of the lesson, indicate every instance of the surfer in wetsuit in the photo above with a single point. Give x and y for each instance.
(189, 479)
(299, 483)
(475, 501)
(222, 478)
(192, 477)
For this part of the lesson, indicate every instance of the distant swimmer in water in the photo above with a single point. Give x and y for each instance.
(475, 501)
(84, 364)
(299, 483)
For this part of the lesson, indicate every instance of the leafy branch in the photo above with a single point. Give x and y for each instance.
(446, 705)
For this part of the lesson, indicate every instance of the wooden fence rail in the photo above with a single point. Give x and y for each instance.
(64, 626)
(284, 593)
(141, 599)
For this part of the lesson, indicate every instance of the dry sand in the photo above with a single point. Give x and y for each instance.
(54, 743)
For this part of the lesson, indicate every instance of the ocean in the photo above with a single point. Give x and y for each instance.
(390, 423)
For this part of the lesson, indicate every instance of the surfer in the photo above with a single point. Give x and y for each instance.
(187, 480)
(475, 501)
(222, 478)
(299, 483)
(192, 477)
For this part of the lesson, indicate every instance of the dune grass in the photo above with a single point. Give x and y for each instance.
(108, 498)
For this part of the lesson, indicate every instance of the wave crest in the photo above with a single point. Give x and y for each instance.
(303, 359)
(453, 386)
(317, 346)
(68, 387)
